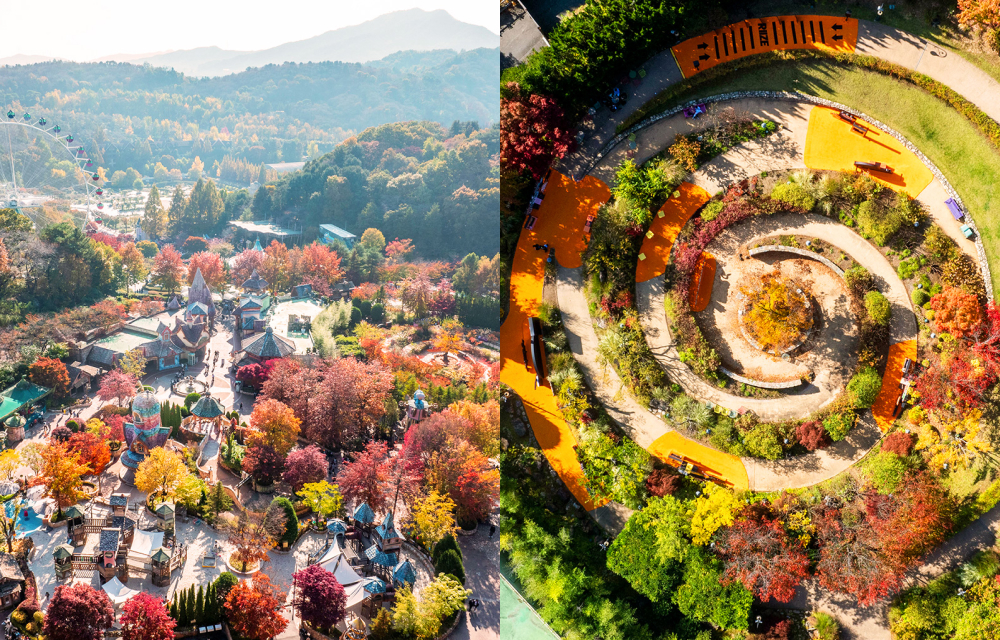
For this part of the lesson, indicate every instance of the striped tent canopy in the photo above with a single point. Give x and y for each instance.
(364, 514)
(377, 556)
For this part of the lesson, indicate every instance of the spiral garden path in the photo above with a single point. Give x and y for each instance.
(787, 149)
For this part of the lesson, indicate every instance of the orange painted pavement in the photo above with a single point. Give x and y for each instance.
(760, 35)
(832, 145)
(563, 214)
(723, 466)
(560, 222)
(885, 402)
(676, 213)
(701, 295)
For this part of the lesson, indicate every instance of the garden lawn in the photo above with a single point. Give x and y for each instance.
(969, 162)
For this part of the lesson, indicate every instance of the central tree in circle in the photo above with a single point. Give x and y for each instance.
(776, 312)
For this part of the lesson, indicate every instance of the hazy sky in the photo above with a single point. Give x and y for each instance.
(80, 30)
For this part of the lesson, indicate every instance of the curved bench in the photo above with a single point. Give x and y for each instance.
(805, 253)
(790, 384)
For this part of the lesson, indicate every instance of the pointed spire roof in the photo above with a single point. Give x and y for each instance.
(255, 282)
(174, 304)
(270, 345)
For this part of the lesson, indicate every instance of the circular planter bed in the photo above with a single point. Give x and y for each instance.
(252, 567)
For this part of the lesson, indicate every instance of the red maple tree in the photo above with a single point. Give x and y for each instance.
(851, 559)
(368, 477)
(533, 131)
(763, 557)
(462, 472)
(252, 609)
(117, 385)
(78, 612)
(337, 400)
(51, 373)
(168, 269)
(145, 617)
(244, 264)
(319, 598)
(255, 374)
(305, 465)
(212, 269)
(315, 264)
(812, 435)
(93, 450)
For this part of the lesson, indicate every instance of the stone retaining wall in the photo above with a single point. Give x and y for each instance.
(791, 96)
(805, 253)
(791, 384)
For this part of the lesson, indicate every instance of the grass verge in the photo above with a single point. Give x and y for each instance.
(965, 157)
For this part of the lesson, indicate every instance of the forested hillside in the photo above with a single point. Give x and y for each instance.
(439, 187)
(139, 116)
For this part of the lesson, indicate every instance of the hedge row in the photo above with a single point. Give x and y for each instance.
(974, 114)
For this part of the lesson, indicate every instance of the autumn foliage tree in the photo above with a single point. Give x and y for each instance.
(62, 473)
(812, 435)
(78, 612)
(117, 385)
(253, 536)
(533, 131)
(956, 311)
(466, 476)
(982, 13)
(51, 373)
(244, 264)
(93, 451)
(212, 269)
(319, 598)
(776, 315)
(144, 617)
(305, 466)
(338, 400)
(264, 463)
(168, 269)
(760, 555)
(252, 609)
(254, 374)
(160, 473)
(275, 425)
(316, 264)
(368, 477)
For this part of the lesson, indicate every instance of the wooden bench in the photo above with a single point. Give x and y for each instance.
(590, 222)
(529, 224)
(858, 128)
(847, 117)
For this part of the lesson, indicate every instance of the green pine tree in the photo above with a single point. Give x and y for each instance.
(213, 612)
(189, 611)
(199, 605)
(182, 610)
(173, 607)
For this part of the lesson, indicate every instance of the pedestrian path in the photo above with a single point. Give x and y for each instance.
(666, 226)
(560, 221)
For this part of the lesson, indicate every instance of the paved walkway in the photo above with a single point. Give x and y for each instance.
(481, 558)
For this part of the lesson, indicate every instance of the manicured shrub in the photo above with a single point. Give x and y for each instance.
(886, 470)
(794, 194)
(827, 626)
(920, 297)
(781, 630)
(449, 562)
(876, 222)
(661, 482)
(224, 583)
(898, 442)
(865, 386)
(291, 520)
(878, 308)
(762, 441)
(190, 400)
(712, 209)
(812, 435)
(444, 544)
(859, 280)
(838, 425)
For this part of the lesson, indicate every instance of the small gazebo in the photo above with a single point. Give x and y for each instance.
(74, 525)
(15, 428)
(363, 514)
(62, 557)
(165, 512)
(160, 561)
(207, 409)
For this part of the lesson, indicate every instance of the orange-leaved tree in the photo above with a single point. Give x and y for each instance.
(51, 373)
(275, 425)
(956, 311)
(252, 609)
(62, 474)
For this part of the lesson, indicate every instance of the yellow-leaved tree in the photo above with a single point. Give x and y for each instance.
(956, 443)
(161, 473)
(10, 461)
(713, 509)
(433, 518)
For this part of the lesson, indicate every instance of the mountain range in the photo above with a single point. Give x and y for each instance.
(411, 29)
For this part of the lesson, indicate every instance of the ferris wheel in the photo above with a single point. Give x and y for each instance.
(44, 170)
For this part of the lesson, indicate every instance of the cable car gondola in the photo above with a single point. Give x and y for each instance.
(97, 176)
(10, 114)
(27, 116)
(57, 128)
(100, 192)
(69, 138)
(41, 122)
(100, 205)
